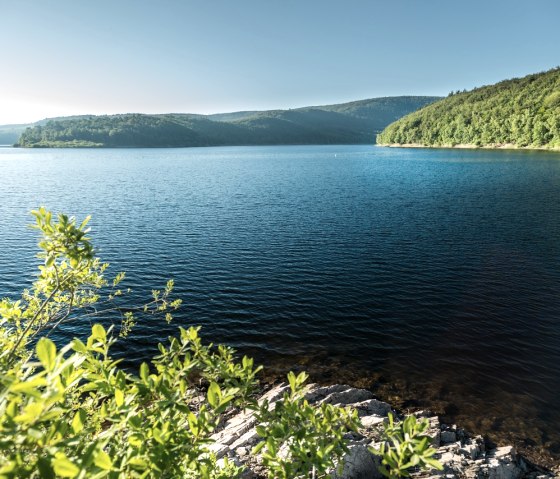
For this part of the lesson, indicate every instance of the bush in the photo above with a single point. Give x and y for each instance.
(405, 447)
(299, 438)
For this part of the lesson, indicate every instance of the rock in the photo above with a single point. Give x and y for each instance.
(434, 432)
(359, 463)
(346, 397)
(371, 407)
(318, 393)
(503, 464)
(472, 449)
(369, 422)
(241, 451)
(448, 437)
(248, 439)
(234, 428)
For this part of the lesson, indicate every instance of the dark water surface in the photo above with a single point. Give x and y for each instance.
(431, 276)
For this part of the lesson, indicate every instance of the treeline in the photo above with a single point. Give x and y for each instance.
(524, 112)
(348, 123)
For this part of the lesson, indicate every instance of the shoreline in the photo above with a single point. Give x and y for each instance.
(407, 398)
(407, 395)
(468, 146)
(461, 453)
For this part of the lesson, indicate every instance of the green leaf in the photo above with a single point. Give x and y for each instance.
(144, 371)
(434, 463)
(85, 222)
(78, 346)
(63, 467)
(98, 332)
(258, 447)
(214, 395)
(156, 433)
(78, 421)
(46, 352)
(138, 463)
(45, 469)
(119, 397)
(28, 387)
(103, 460)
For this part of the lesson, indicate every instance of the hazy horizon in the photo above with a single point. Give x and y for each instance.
(69, 58)
(212, 113)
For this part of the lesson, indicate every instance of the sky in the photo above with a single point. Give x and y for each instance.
(67, 57)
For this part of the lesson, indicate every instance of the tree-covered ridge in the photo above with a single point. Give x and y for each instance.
(522, 112)
(348, 123)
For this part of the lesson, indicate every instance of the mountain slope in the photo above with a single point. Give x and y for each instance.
(355, 122)
(522, 112)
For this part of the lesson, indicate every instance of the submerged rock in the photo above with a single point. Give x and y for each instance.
(462, 456)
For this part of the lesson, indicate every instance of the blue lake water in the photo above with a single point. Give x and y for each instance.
(431, 276)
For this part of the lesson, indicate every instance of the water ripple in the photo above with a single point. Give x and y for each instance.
(438, 270)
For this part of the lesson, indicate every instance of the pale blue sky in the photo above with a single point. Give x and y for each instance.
(63, 57)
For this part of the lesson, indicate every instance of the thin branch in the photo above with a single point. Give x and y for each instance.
(58, 287)
(28, 327)
(63, 317)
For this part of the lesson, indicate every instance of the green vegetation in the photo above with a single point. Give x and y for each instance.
(313, 437)
(72, 412)
(405, 447)
(348, 123)
(522, 112)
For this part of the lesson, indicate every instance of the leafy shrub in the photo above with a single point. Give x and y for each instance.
(405, 446)
(299, 437)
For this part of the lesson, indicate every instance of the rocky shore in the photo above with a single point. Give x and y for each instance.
(462, 455)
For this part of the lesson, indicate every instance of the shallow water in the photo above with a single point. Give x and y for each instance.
(420, 273)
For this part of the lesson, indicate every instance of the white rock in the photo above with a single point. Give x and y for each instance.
(349, 396)
(247, 439)
(371, 421)
(317, 393)
(359, 463)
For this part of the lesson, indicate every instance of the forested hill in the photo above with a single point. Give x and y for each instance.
(522, 112)
(348, 123)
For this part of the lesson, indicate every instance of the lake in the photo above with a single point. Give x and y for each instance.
(430, 276)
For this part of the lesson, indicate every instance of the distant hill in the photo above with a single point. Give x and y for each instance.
(347, 123)
(9, 134)
(522, 112)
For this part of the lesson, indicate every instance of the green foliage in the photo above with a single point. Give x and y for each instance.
(348, 123)
(72, 412)
(299, 438)
(405, 446)
(76, 414)
(524, 112)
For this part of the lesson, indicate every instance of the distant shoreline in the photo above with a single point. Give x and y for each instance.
(466, 146)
